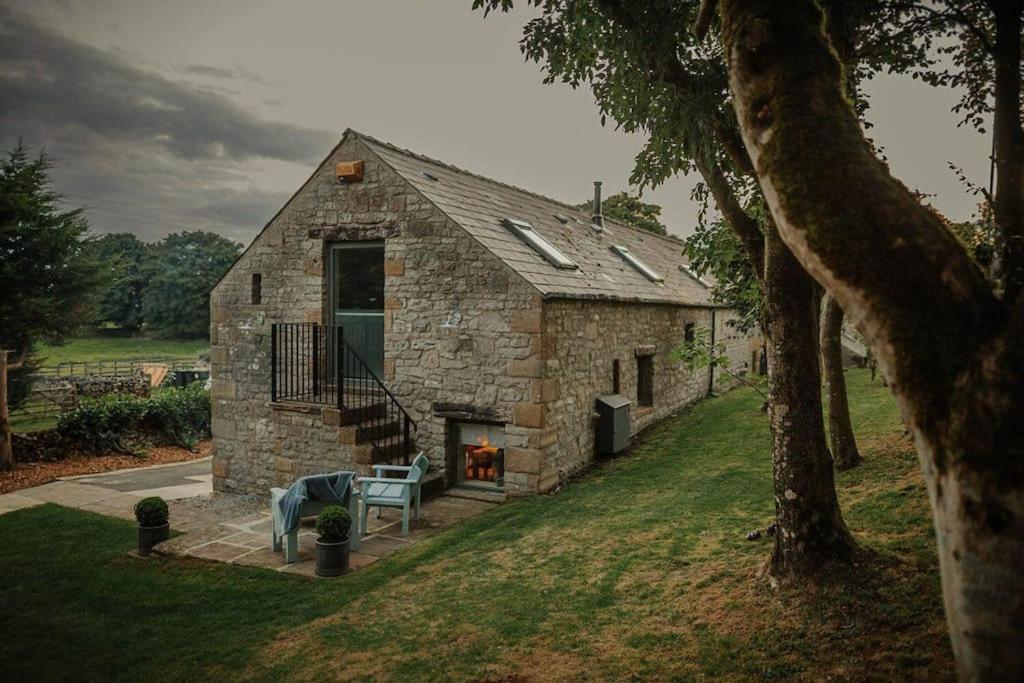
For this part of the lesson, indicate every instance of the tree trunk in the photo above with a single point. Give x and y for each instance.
(811, 532)
(840, 430)
(949, 347)
(6, 450)
(1009, 148)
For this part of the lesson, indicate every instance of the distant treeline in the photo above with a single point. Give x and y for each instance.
(161, 287)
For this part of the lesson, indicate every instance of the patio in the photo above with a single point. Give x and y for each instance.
(232, 528)
(225, 531)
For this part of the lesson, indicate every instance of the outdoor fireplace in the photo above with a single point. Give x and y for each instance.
(478, 454)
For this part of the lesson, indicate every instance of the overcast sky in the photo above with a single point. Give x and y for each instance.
(164, 116)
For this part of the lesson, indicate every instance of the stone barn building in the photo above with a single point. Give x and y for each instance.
(397, 302)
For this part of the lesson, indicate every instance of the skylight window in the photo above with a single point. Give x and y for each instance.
(640, 266)
(533, 238)
(689, 271)
(429, 176)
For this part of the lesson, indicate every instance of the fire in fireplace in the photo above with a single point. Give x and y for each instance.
(479, 454)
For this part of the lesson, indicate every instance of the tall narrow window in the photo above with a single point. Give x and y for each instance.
(616, 376)
(257, 288)
(645, 381)
(689, 332)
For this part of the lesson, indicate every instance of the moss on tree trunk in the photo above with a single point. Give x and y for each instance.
(811, 533)
(950, 348)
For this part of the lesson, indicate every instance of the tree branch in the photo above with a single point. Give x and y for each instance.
(705, 14)
(742, 224)
(845, 218)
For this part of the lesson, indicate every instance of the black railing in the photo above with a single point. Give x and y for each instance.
(313, 364)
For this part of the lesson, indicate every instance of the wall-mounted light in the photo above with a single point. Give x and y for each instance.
(349, 171)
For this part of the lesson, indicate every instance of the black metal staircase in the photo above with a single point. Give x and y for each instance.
(312, 364)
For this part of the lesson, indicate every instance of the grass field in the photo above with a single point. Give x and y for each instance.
(640, 569)
(92, 349)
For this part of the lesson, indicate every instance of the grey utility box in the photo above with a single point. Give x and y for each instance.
(612, 424)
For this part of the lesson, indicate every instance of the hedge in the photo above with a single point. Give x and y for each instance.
(177, 416)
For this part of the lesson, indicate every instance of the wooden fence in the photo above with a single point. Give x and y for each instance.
(115, 368)
(51, 397)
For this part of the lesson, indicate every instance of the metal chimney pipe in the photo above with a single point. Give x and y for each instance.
(598, 217)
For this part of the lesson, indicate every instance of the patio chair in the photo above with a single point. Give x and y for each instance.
(395, 493)
(309, 496)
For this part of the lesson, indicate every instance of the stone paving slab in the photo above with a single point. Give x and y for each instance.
(232, 528)
(10, 502)
(244, 538)
(115, 493)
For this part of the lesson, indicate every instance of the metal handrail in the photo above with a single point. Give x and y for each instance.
(301, 372)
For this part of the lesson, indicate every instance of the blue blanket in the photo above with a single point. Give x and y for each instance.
(326, 488)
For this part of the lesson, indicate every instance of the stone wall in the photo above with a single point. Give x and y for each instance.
(462, 339)
(483, 366)
(257, 445)
(465, 338)
(583, 340)
(95, 386)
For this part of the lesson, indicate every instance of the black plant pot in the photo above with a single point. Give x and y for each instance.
(331, 558)
(149, 536)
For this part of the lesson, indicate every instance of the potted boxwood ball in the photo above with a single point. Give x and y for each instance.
(151, 514)
(332, 528)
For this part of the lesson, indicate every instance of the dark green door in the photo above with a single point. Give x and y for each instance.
(357, 298)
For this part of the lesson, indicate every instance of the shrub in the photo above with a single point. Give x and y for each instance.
(179, 416)
(151, 511)
(333, 524)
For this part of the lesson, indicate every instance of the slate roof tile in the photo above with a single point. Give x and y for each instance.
(479, 205)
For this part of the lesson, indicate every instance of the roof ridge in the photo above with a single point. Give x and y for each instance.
(443, 164)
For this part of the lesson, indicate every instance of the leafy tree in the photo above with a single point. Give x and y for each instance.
(651, 75)
(981, 40)
(120, 303)
(628, 209)
(978, 236)
(948, 341)
(47, 272)
(699, 353)
(183, 269)
(714, 250)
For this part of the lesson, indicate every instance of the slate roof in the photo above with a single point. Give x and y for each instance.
(480, 204)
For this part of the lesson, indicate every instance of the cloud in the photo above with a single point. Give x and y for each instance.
(143, 150)
(210, 71)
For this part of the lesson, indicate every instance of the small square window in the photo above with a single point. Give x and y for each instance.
(257, 288)
(689, 332)
(645, 381)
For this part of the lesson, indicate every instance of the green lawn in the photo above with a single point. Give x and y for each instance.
(638, 569)
(92, 349)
